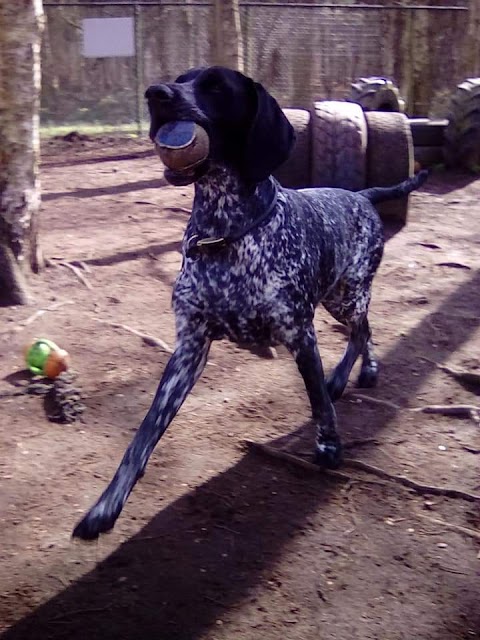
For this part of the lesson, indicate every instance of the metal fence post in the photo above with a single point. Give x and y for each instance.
(137, 9)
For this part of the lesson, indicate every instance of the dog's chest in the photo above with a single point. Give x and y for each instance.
(246, 299)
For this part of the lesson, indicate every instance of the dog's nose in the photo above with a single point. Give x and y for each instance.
(161, 92)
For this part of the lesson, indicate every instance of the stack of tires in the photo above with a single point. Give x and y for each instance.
(340, 145)
(368, 141)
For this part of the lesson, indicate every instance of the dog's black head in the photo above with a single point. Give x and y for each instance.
(248, 131)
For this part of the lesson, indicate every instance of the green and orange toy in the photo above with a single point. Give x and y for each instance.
(45, 358)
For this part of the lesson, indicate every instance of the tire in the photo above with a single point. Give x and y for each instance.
(295, 172)
(339, 143)
(428, 133)
(462, 134)
(390, 159)
(376, 94)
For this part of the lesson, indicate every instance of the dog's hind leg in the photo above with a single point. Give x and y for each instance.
(349, 305)
(182, 371)
(369, 370)
(305, 351)
(359, 343)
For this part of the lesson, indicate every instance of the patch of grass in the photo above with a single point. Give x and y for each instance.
(92, 128)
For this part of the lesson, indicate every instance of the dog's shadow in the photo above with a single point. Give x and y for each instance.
(191, 563)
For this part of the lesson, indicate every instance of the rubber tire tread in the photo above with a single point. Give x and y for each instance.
(390, 159)
(371, 93)
(462, 134)
(339, 143)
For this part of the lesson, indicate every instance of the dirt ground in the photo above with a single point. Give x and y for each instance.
(216, 542)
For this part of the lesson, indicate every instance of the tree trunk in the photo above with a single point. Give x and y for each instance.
(228, 32)
(20, 33)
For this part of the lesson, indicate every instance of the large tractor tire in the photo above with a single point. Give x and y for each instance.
(295, 172)
(390, 159)
(462, 135)
(376, 94)
(339, 143)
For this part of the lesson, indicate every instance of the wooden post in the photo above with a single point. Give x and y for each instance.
(228, 35)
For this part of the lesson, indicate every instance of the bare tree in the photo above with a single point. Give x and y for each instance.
(20, 34)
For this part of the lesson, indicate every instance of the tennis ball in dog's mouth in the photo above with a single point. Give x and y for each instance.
(182, 145)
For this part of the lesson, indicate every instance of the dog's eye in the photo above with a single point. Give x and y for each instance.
(213, 84)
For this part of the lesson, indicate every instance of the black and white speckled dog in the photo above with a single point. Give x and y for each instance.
(275, 255)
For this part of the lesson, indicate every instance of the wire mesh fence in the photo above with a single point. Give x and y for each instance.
(301, 51)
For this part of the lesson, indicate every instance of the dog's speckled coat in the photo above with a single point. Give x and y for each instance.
(308, 247)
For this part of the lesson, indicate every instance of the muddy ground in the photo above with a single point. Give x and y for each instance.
(217, 542)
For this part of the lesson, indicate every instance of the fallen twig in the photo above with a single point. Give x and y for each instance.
(454, 265)
(368, 468)
(221, 526)
(385, 403)
(467, 377)
(217, 602)
(472, 533)
(151, 341)
(411, 484)
(459, 410)
(40, 312)
(179, 210)
(76, 271)
(35, 316)
(84, 266)
(299, 462)
(470, 449)
(76, 612)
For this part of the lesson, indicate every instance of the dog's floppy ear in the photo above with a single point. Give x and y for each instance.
(270, 138)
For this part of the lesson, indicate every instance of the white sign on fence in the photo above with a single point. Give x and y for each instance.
(108, 37)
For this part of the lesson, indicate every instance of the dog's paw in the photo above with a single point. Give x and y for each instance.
(100, 519)
(328, 453)
(368, 376)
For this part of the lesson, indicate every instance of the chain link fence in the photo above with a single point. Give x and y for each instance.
(301, 51)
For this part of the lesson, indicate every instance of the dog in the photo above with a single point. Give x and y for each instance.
(257, 260)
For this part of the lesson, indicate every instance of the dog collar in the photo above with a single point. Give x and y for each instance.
(196, 244)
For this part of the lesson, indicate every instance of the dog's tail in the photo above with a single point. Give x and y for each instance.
(379, 194)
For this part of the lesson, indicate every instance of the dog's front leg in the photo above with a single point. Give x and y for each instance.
(305, 351)
(182, 371)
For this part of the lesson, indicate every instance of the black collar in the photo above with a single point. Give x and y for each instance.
(206, 245)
